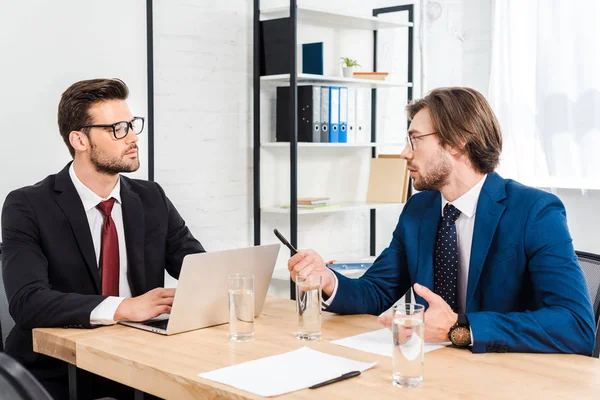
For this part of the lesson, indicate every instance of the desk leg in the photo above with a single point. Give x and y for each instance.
(79, 383)
(72, 382)
(139, 395)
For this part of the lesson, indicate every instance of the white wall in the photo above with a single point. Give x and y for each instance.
(44, 48)
(203, 103)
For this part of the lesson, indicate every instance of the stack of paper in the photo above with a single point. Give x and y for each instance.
(379, 342)
(288, 372)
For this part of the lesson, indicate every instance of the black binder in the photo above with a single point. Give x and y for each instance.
(275, 56)
(305, 114)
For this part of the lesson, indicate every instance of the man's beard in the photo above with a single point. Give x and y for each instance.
(436, 176)
(112, 165)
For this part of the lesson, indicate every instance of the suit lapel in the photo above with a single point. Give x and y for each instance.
(488, 214)
(70, 203)
(133, 224)
(427, 237)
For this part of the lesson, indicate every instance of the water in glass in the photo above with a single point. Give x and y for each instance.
(308, 304)
(408, 333)
(241, 315)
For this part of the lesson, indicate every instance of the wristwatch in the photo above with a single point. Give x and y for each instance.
(460, 333)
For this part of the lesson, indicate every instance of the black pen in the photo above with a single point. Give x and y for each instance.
(342, 377)
(280, 237)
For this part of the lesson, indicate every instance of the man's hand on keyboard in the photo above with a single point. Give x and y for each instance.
(147, 306)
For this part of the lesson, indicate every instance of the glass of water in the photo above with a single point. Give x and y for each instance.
(308, 307)
(241, 307)
(408, 332)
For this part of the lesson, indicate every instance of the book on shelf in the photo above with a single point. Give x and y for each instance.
(313, 206)
(312, 200)
(380, 76)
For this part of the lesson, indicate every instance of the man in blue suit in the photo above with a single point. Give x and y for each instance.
(492, 260)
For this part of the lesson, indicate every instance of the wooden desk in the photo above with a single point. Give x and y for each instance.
(168, 366)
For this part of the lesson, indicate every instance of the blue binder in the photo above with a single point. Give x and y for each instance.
(343, 125)
(334, 114)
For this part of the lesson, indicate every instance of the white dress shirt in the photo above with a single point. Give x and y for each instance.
(104, 313)
(467, 205)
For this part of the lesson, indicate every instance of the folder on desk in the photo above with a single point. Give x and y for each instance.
(324, 114)
(334, 114)
(343, 125)
(350, 128)
(340, 266)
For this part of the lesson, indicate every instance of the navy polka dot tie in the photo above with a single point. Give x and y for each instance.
(445, 278)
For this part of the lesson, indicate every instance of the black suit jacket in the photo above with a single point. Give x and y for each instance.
(49, 264)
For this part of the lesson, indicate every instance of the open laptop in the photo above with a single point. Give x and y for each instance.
(202, 295)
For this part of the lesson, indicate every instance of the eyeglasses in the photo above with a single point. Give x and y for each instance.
(409, 139)
(121, 129)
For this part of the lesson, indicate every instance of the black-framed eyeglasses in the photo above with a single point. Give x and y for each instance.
(409, 139)
(121, 128)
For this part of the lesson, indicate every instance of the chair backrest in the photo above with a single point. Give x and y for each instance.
(590, 265)
(596, 352)
(18, 383)
(6, 321)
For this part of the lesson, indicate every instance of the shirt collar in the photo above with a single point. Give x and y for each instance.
(90, 199)
(467, 203)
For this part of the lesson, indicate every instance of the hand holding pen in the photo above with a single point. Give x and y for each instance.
(308, 263)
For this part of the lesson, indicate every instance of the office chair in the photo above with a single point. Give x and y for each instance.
(590, 265)
(6, 321)
(18, 383)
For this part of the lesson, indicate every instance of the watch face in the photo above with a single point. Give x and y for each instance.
(461, 336)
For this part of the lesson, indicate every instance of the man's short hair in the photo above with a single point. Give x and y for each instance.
(75, 102)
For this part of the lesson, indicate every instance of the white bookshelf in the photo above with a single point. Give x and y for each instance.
(306, 79)
(342, 207)
(335, 170)
(330, 19)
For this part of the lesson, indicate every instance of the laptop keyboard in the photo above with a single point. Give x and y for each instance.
(160, 324)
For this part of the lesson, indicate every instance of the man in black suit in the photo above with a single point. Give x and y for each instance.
(87, 246)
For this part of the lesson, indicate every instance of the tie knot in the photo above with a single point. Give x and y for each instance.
(451, 213)
(106, 207)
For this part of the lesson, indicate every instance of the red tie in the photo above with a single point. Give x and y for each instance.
(109, 251)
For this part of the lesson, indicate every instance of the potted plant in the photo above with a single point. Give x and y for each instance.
(348, 66)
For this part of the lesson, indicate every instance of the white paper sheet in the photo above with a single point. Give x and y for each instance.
(378, 342)
(288, 372)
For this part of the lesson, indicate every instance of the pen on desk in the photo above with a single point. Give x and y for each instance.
(342, 377)
(284, 241)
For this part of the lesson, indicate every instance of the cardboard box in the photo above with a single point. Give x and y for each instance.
(388, 180)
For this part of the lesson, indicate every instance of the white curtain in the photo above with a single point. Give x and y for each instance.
(545, 90)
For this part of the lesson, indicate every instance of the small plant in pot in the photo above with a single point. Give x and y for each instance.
(348, 66)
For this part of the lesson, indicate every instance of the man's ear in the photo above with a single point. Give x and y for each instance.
(79, 140)
(457, 151)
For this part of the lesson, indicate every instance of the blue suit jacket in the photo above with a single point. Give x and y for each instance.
(526, 291)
